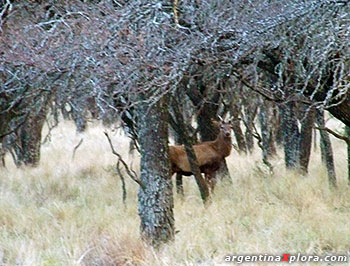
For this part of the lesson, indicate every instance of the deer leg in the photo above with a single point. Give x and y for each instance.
(213, 181)
(210, 181)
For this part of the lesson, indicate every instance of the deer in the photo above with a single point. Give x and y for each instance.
(210, 154)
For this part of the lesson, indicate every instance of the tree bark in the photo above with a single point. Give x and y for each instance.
(156, 199)
(326, 149)
(267, 131)
(29, 137)
(306, 139)
(290, 135)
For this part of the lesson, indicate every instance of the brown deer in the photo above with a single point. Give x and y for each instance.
(210, 154)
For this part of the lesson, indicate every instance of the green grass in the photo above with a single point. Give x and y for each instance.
(68, 212)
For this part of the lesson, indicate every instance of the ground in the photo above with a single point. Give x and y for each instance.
(71, 212)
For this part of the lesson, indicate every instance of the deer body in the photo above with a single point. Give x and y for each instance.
(210, 155)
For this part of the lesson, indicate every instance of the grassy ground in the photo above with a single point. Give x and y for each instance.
(71, 212)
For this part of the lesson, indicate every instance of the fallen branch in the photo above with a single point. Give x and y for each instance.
(131, 173)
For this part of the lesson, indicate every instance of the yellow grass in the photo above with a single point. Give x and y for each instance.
(71, 212)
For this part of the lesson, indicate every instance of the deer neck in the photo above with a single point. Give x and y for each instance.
(224, 145)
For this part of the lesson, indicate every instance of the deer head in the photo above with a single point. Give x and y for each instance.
(225, 127)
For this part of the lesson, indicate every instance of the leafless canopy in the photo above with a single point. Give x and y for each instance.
(110, 52)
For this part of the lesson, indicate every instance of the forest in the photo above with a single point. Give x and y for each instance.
(138, 132)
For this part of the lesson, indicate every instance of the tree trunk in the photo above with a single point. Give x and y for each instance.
(279, 132)
(306, 139)
(242, 145)
(156, 199)
(267, 131)
(179, 177)
(178, 141)
(2, 156)
(5, 128)
(179, 184)
(347, 133)
(78, 112)
(290, 134)
(29, 137)
(326, 149)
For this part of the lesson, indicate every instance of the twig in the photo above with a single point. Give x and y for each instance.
(76, 147)
(123, 181)
(131, 173)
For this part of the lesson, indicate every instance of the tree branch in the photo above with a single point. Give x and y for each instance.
(131, 173)
(335, 134)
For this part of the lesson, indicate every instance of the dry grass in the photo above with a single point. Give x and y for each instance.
(71, 212)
